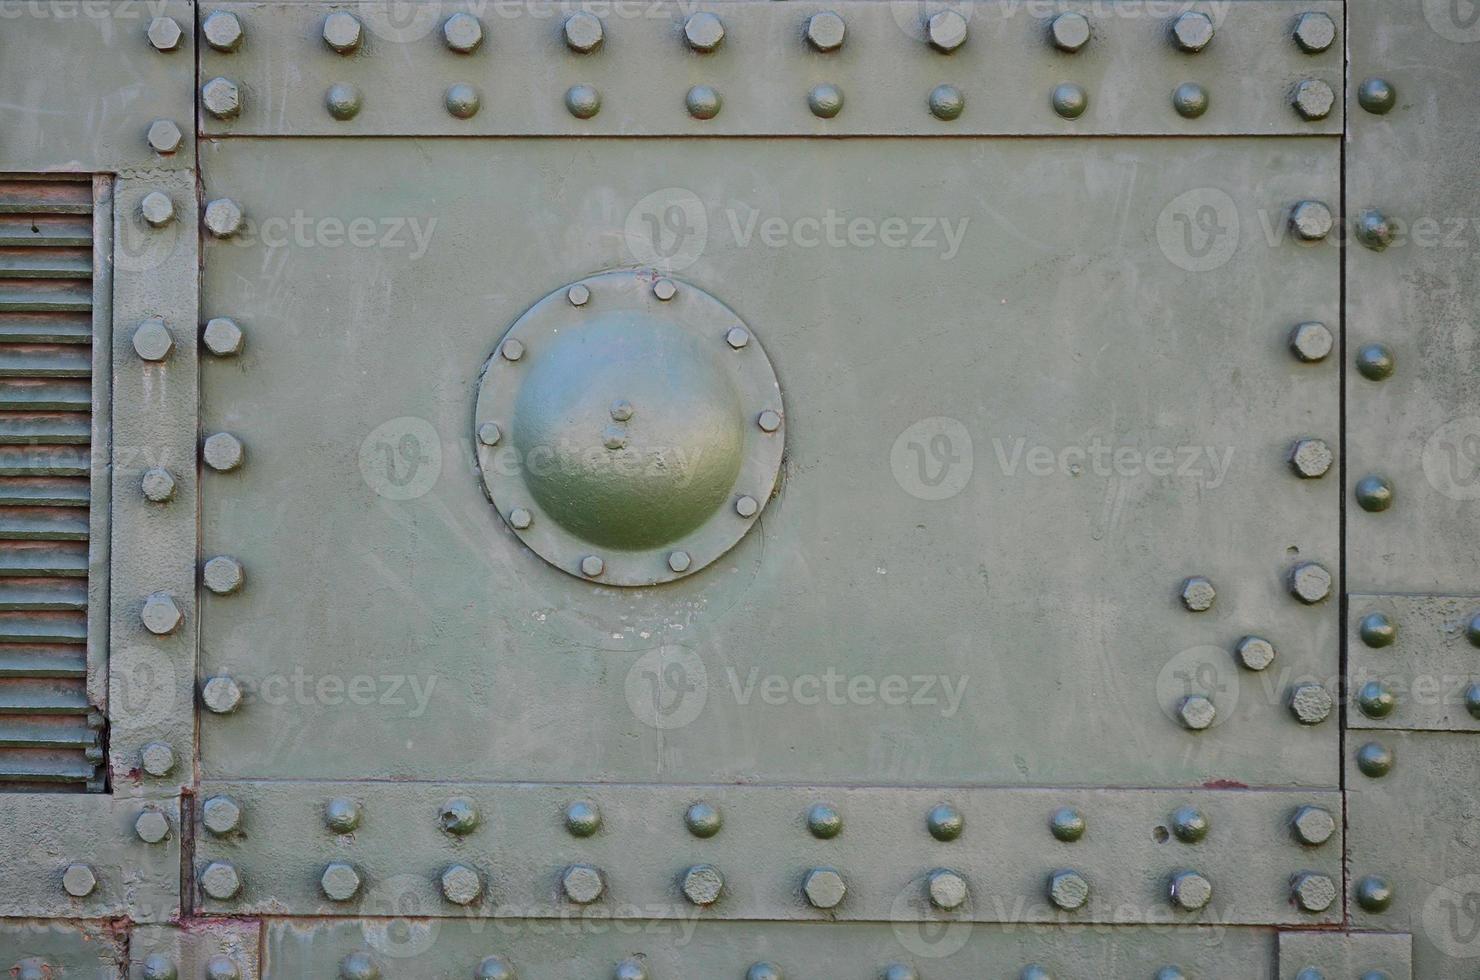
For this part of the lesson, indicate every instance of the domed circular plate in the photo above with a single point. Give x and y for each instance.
(629, 428)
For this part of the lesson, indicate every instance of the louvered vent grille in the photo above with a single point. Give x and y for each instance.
(50, 736)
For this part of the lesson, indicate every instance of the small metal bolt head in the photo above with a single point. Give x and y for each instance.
(157, 759)
(1069, 100)
(1196, 712)
(824, 888)
(746, 506)
(1377, 630)
(222, 30)
(1310, 703)
(158, 966)
(1376, 700)
(1069, 31)
(1310, 582)
(825, 31)
(340, 881)
(703, 102)
(1311, 458)
(946, 30)
(461, 885)
(153, 340)
(342, 815)
(1313, 825)
(221, 695)
(1472, 700)
(825, 101)
(1066, 824)
(1190, 891)
(221, 815)
(1198, 594)
(223, 452)
(1312, 99)
(1377, 96)
(1314, 32)
(946, 102)
(160, 615)
(1189, 824)
(222, 967)
(164, 136)
(1374, 493)
(520, 519)
(1310, 221)
(1472, 630)
(157, 210)
(223, 217)
(495, 968)
(1375, 760)
(1374, 230)
(343, 31)
(157, 485)
(945, 822)
(512, 349)
(79, 881)
(1191, 31)
(164, 33)
(462, 100)
(463, 33)
(583, 101)
(764, 971)
(1068, 890)
(679, 561)
(582, 818)
(223, 575)
(1311, 342)
(899, 971)
(769, 420)
(737, 338)
(582, 883)
(621, 410)
(1254, 652)
(152, 826)
(1312, 892)
(665, 289)
(703, 819)
(592, 566)
(704, 31)
(946, 888)
(1375, 362)
(824, 821)
(583, 32)
(459, 816)
(578, 295)
(220, 880)
(358, 966)
(1035, 972)
(343, 101)
(489, 433)
(1190, 100)
(223, 337)
(702, 884)
(630, 969)
(222, 98)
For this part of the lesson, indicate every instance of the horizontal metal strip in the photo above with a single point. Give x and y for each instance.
(1414, 662)
(71, 428)
(45, 328)
(764, 78)
(40, 560)
(45, 263)
(881, 857)
(32, 734)
(44, 491)
(50, 230)
(42, 628)
(42, 696)
(42, 396)
(45, 197)
(70, 768)
(42, 661)
(42, 524)
(58, 596)
(45, 361)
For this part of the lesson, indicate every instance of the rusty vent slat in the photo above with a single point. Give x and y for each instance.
(50, 735)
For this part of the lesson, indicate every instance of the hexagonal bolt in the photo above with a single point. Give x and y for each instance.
(769, 420)
(704, 31)
(702, 884)
(343, 31)
(520, 519)
(157, 759)
(679, 561)
(221, 815)
(1069, 31)
(1312, 99)
(824, 888)
(578, 295)
(1310, 220)
(157, 209)
(152, 826)
(1314, 32)
(1068, 890)
(1373, 493)
(630, 969)
(495, 968)
(461, 885)
(220, 880)
(220, 695)
(152, 339)
(342, 815)
(160, 615)
(165, 34)
(223, 337)
(222, 98)
(945, 822)
(946, 889)
(747, 506)
(1254, 653)
(1310, 582)
(1313, 825)
(79, 880)
(222, 30)
(703, 819)
(1373, 230)
(223, 217)
(223, 452)
(583, 32)
(511, 350)
(1374, 894)
(222, 967)
(223, 575)
(1066, 824)
(1190, 891)
(1189, 824)
(1198, 594)
(359, 965)
(824, 821)
(164, 136)
(946, 31)
(157, 485)
(1310, 458)
(582, 883)
(340, 881)
(1312, 892)
(158, 966)
(592, 566)
(1191, 31)
(1376, 699)
(463, 32)
(1196, 712)
(1377, 95)
(825, 31)
(665, 289)
(1375, 760)
(1311, 342)
(1310, 703)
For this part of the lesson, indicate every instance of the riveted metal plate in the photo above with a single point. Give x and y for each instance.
(204, 948)
(89, 951)
(1346, 954)
(764, 70)
(1422, 679)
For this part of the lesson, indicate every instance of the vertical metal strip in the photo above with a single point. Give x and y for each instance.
(99, 542)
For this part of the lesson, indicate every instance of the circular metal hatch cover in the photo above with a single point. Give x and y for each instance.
(629, 428)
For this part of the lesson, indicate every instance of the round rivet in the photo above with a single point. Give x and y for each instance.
(825, 101)
(223, 218)
(824, 821)
(520, 518)
(946, 30)
(1069, 100)
(1312, 99)
(1310, 703)
(158, 966)
(1375, 362)
(737, 338)
(220, 880)
(704, 31)
(1191, 31)
(1069, 31)
(825, 31)
(1068, 890)
(1314, 32)
(223, 452)
(221, 815)
(1311, 458)
(946, 102)
(1189, 824)
(221, 98)
(764, 971)
(582, 818)
(489, 433)
(222, 967)
(462, 100)
(164, 136)
(1170, 973)
(512, 349)
(1035, 972)
(746, 506)
(1312, 892)
(1311, 342)
(1374, 493)
(703, 884)
(153, 340)
(1190, 100)
(358, 966)
(1472, 700)
(703, 102)
(152, 826)
(79, 881)
(614, 437)
(223, 337)
(583, 101)
(1190, 891)
(495, 968)
(459, 816)
(769, 421)
(223, 575)
(665, 289)
(679, 561)
(945, 822)
(592, 566)
(1374, 230)
(222, 30)
(824, 888)
(583, 32)
(340, 881)
(164, 33)
(160, 615)
(342, 101)
(1376, 95)
(1376, 700)
(1377, 630)
(1374, 760)
(582, 883)
(342, 31)
(1198, 594)
(1066, 824)
(1196, 712)
(946, 888)
(157, 485)
(899, 971)
(221, 695)
(703, 819)
(461, 885)
(342, 815)
(1310, 221)
(1313, 825)
(1472, 630)
(630, 969)
(463, 33)
(1254, 652)
(157, 759)
(1310, 582)
(621, 410)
